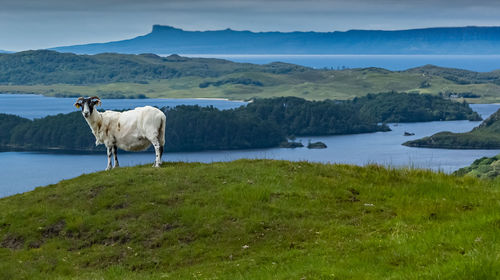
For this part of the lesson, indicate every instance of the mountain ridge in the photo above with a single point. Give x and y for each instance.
(164, 39)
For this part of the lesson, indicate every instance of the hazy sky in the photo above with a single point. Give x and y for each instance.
(34, 24)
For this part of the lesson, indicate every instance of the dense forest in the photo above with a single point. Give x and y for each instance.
(298, 117)
(192, 128)
(412, 107)
(262, 123)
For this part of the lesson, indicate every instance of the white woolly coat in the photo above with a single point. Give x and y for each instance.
(128, 130)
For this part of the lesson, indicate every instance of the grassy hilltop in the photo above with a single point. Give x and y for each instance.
(111, 75)
(254, 219)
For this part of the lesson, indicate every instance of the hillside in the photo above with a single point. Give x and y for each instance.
(168, 40)
(484, 167)
(150, 76)
(485, 136)
(253, 219)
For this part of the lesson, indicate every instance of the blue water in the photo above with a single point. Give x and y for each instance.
(37, 106)
(23, 171)
(479, 63)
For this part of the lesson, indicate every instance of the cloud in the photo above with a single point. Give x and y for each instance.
(237, 5)
(30, 24)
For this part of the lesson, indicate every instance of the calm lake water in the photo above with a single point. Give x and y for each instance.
(37, 106)
(23, 171)
(480, 63)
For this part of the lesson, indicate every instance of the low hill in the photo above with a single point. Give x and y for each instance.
(253, 219)
(111, 75)
(459, 76)
(485, 136)
(168, 40)
(50, 67)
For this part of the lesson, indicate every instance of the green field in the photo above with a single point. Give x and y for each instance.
(344, 84)
(147, 75)
(254, 219)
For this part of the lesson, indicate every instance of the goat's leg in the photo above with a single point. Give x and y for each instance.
(158, 152)
(115, 153)
(109, 150)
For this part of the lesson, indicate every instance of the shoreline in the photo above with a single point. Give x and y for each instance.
(174, 98)
(192, 98)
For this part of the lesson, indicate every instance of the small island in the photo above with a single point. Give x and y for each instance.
(485, 136)
(316, 145)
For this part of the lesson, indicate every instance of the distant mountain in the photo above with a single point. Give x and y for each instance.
(2, 51)
(168, 40)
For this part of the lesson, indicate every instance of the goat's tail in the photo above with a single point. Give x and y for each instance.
(161, 131)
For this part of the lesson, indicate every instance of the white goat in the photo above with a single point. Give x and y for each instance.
(133, 130)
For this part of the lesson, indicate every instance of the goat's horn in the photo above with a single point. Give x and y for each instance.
(78, 102)
(98, 100)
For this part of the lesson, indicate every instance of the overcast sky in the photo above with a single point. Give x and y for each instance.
(35, 24)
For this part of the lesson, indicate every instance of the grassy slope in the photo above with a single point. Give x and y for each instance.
(299, 220)
(484, 167)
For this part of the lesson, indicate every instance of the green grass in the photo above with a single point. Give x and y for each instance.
(484, 167)
(254, 219)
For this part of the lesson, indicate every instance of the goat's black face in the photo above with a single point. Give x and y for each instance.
(87, 105)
